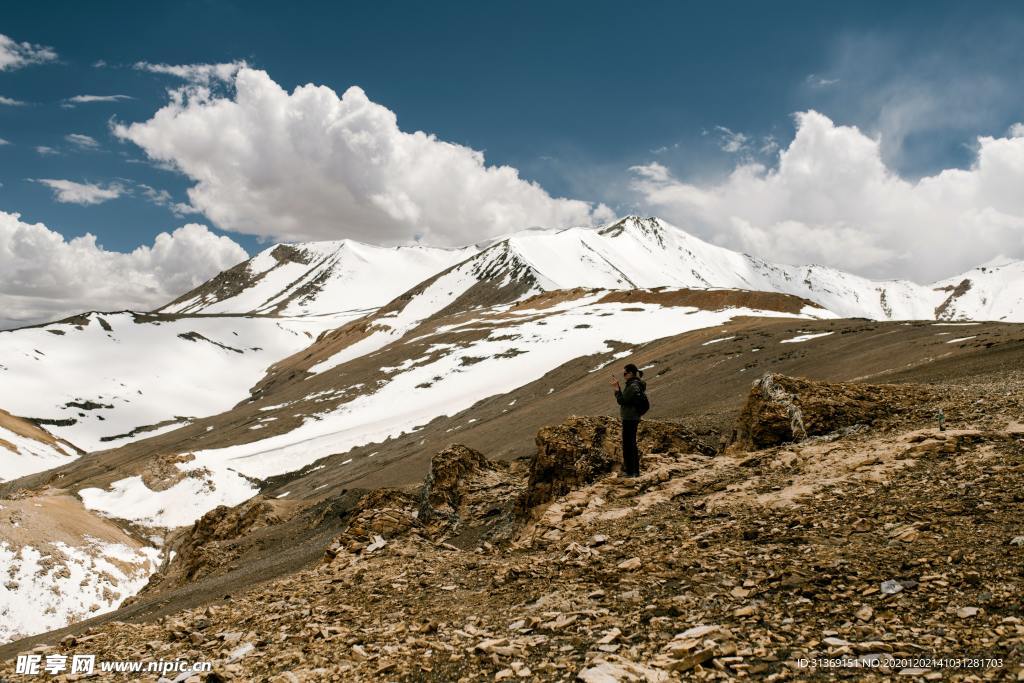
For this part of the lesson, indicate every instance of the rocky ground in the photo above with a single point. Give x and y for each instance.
(881, 538)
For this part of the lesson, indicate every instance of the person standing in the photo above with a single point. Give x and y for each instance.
(633, 403)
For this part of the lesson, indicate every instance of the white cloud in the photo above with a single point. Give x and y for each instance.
(195, 73)
(1016, 130)
(46, 151)
(10, 102)
(833, 201)
(88, 99)
(816, 81)
(164, 198)
(769, 145)
(731, 141)
(43, 277)
(14, 55)
(70, 192)
(313, 165)
(82, 141)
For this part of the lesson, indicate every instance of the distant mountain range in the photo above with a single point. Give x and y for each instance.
(320, 278)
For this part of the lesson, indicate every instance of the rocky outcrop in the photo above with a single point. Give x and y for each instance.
(442, 490)
(380, 515)
(783, 409)
(467, 499)
(163, 471)
(570, 455)
(581, 449)
(207, 545)
(955, 293)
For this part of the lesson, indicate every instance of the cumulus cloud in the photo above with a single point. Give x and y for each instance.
(44, 277)
(832, 200)
(14, 55)
(312, 165)
(70, 192)
(82, 141)
(195, 73)
(46, 151)
(11, 102)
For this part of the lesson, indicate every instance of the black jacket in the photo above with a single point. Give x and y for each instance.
(629, 398)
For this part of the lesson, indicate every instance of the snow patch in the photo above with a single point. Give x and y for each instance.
(179, 505)
(42, 591)
(802, 338)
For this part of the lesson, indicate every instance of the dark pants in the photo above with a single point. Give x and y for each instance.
(630, 454)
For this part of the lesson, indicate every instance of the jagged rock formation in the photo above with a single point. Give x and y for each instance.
(378, 516)
(579, 450)
(569, 456)
(466, 498)
(783, 409)
(207, 544)
(442, 493)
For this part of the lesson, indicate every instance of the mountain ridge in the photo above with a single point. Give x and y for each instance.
(632, 252)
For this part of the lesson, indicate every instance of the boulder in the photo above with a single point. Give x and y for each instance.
(783, 409)
(467, 500)
(382, 513)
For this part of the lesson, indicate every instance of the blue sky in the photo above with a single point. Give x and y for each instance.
(573, 95)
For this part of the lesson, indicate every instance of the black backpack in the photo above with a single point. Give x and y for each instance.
(643, 404)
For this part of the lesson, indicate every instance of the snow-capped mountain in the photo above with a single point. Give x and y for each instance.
(329, 277)
(648, 252)
(639, 253)
(317, 278)
(990, 292)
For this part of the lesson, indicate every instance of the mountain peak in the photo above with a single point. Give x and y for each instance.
(649, 226)
(317, 278)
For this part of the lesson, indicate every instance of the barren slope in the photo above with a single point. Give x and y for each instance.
(848, 545)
